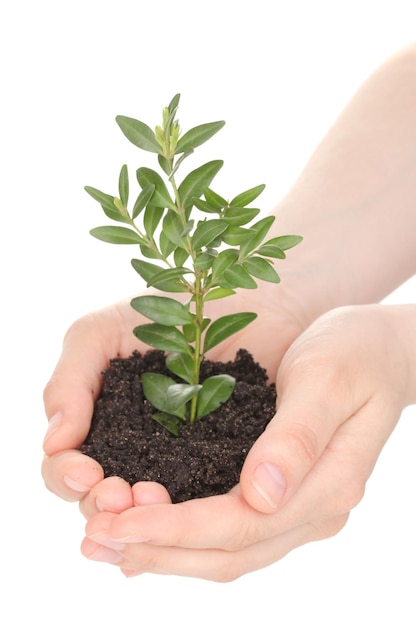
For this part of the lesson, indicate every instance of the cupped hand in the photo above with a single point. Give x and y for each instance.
(341, 388)
(96, 338)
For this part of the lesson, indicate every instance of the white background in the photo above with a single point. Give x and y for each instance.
(278, 73)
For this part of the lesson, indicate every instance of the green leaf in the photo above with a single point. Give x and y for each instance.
(271, 250)
(197, 181)
(215, 200)
(171, 423)
(148, 271)
(243, 199)
(179, 394)
(165, 276)
(160, 197)
(224, 260)
(151, 218)
(145, 270)
(181, 364)
(155, 388)
(215, 391)
(236, 235)
(180, 256)
(116, 234)
(206, 232)
(142, 200)
(123, 186)
(197, 136)
(260, 230)
(238, 216)
(166, 245)
(107, 204)
(162, 337)
(236, 276)
(260, 268)
(173, 228)
(285, 242)
(226, 326)
(217, 293)
(162, 310)
(204, 261)
(204, 206)
(139, 134)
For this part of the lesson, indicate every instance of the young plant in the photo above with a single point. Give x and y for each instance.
(206, 256)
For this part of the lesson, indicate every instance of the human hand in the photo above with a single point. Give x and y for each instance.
(96, 338)
(341, 388)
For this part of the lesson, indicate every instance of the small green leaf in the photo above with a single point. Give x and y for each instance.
(197, 136)
(224, 260)
(238, 216)
(197, 181)
(236, 276)
(171, 423)
(226, 326)
(108, 205)
(204, 206)
(243, 199)
(260, 268)
(145, 270)
(236, 235)
(123, 186)
(138, 133)
(116, 234)
(165, 275)
(151, 218)
(179, 394)
(285, 242)
(204, 261)
(260, 228)
(217, 293)
(214, 199)
(166, 245)
(142, 200)
(162, 310)
(173, 227)
(206, 232)
(162, 337)
(271, 250)
(155, 388)
(160, 197)
(215, 391)
(181, 364)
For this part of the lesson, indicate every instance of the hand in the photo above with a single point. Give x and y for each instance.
(96, 338)
(341, 387)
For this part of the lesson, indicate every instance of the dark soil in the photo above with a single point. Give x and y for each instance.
(206, 458)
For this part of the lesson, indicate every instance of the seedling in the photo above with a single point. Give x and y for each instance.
(206, 256)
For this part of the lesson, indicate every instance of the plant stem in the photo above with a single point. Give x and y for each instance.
(199, 318)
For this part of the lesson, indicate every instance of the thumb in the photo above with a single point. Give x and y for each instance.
(312, 403)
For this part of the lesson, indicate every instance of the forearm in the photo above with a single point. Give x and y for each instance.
(355, 201)
(401, 320)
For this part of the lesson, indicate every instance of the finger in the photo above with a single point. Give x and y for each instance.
(71, 474)
(112, 494)
(212, 564)
(149, 492)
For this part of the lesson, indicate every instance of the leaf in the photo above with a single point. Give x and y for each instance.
(181, 364)
(162, 310)
(215, 200)
(206, 232)
(166, 246)
(260, 268)
(204, 261)
(204, 206)
(179, 394)
(224, 260)
(162, 337)
(217, 293)
(116, 234)
(197, 181)
(285, 242)
(145, 270)
(151, 218)
(173, 227)
(226, 326)
(169, 279)
(139, 134)
(236, 235)
(271, 250)
(238, 216)
(236, 276)
(155, 388)
(243, 199)
(260, 230)
(215, 391)
(197, 136)
(142, 200)
(107, 204)
(123, 186)
(160, 197)
(172, 423)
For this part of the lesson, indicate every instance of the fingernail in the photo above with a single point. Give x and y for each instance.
(104, 539)
(270, 483)
(106, 555)
(53, 424)
(75, 485)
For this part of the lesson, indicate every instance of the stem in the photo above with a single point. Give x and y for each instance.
(199, 317)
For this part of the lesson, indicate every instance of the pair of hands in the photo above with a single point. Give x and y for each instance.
(339, 399)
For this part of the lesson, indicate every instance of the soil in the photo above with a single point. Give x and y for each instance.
(206, 458)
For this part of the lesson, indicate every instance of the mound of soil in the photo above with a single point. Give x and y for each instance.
(206, 458)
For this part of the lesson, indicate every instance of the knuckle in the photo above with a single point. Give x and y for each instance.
(302, 443)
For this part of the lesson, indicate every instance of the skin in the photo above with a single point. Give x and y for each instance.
(344, 366)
